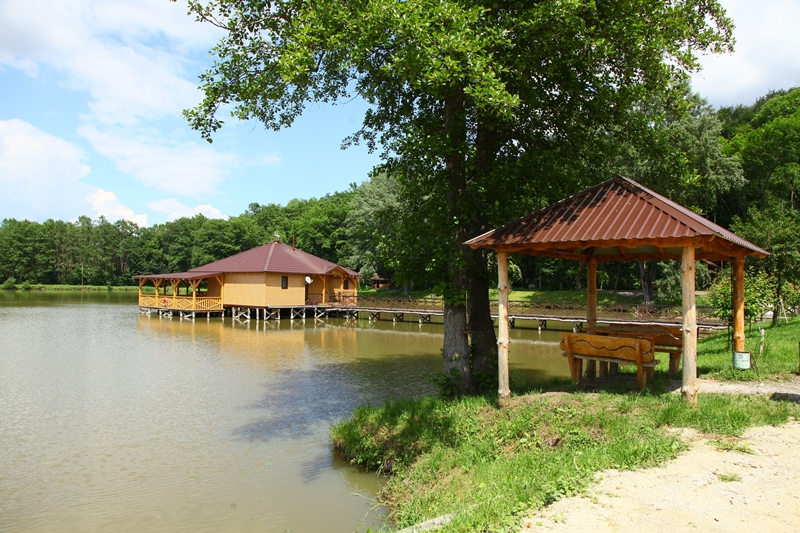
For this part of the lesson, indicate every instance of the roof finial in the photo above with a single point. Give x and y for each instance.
(277, 237)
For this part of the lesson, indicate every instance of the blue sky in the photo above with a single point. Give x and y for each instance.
(91, 94)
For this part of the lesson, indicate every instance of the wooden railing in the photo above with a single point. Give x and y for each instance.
(181, 303)
(342, 299)
(519, 309)
(630, 312)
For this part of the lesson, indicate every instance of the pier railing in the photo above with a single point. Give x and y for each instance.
(435, 306)
(181, 303)
(522, 309)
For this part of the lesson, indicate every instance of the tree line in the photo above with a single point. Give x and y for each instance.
(485, 111)
(739, 166)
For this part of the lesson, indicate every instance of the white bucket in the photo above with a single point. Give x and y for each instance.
(741, 360)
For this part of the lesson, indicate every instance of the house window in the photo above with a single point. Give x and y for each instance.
(284, 282)
(346, 284)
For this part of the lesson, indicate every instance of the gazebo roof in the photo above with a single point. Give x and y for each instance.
(616, 220)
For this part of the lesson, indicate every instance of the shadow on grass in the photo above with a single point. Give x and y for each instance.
(623, 382)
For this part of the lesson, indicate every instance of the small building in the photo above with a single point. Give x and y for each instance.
(271, 277)
(379, 282)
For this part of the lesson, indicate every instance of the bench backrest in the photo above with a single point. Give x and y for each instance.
(604, 346)
(670, 337)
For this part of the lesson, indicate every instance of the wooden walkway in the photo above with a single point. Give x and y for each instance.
(423, 309)
(396, 309)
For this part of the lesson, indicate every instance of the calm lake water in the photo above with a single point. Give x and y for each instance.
(120, 422)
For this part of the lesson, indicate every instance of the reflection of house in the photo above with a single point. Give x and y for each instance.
(269, 277)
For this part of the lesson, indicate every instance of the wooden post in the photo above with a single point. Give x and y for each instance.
(591, 314)
(175, 287)
(195, 284)
(737, 283)
(503, 391)
(689, 388)
(221, 280)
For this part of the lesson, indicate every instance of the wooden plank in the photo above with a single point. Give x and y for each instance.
(623, 348)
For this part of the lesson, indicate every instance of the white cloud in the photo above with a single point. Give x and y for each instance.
(186, 168)
(106, 204)
(132, 57)
(175, 209)
(39, 174)
(765, 56)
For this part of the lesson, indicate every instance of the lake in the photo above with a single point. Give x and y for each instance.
(115, 421)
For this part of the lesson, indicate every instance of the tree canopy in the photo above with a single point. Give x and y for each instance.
(472, 101)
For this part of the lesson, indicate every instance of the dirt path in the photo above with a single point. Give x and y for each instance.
(755, 487)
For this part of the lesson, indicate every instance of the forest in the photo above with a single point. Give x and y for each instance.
(738, 166)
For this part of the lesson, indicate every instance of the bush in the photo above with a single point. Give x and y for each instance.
(758, 296)
(10, 284)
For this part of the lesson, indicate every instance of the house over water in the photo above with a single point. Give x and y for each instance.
(264, 281)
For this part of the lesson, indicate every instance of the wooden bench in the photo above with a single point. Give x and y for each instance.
(665, 339)
(606, 349)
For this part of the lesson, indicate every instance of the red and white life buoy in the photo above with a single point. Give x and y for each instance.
(164, 302)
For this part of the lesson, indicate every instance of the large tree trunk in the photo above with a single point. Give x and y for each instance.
(484, 338)
(455, 352)
(481, 326)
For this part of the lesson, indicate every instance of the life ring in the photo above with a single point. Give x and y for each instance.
(164, 302)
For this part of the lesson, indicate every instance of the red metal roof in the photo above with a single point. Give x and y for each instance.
(274, 257)
(616, 220)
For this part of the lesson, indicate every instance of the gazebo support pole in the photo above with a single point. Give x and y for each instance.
(738, 303)
(503, 390)
(689, 388)
(591, 313)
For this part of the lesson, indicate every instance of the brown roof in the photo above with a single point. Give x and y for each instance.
(616, 220)
(274, 257)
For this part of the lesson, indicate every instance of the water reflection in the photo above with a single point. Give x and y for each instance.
(117, 421)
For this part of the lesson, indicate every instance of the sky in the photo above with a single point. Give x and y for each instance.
(91, 95)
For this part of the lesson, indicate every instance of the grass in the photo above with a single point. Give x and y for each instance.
(489, 466)
(780, 359)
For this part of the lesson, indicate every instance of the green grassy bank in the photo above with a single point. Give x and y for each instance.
(779, 359)
(488, 467)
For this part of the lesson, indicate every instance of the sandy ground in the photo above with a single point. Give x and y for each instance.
(755, 487)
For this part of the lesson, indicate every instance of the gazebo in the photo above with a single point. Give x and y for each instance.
(620, 220)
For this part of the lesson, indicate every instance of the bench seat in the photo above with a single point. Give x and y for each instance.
(578, 347)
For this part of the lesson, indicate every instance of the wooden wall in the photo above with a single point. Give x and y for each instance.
(294, 295)
(214, 288)
(245, 289)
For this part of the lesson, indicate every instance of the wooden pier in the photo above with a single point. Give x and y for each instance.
(422, 310)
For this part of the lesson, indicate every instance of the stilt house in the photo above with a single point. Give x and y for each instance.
(270, 277)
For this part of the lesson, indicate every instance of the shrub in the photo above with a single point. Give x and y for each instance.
(758, 295)
(10, 284)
